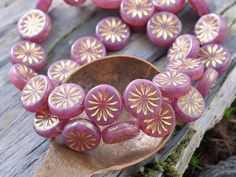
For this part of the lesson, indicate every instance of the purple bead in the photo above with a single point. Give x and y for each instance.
(29, 54)
(61, 70)
(113, 32)
(172, 6)
(119, 132)
(111, 4)
(103, 104)
(163, 28)
(67, 101)
(47, 124)
(81, 135)
(185, 46)
(211, 28)
(215, 56)
(173, 84)
(136, 13)
(35, 26)
(87, 49)
(193, 68)
(43, 5)
(190, 107)
(20, 74)
(207, 82)
(161, 124)
(142, 98)
(200, 7)
(35, 94)
(76, 3)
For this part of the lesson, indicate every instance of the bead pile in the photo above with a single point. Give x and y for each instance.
(155, 105)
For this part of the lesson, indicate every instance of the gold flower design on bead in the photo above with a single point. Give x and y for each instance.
(179, 49)
(143, 98)
(28, 73)
(114, 30)
(33, 91)
(29, 52)
(80, 141)
(213, 55)
(192, 103)
(165, 2)
(32, 23)
(65, 97)
(102, 105)
(184, 63)
(172, 78)
(165, 26)
(138, 8)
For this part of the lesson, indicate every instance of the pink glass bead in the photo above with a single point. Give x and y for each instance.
(105, 4)
(136, 13)
(211, 28)
(29, 54)
(35, 26)
(119, 132)
(47, 124)
(20, 74)
(113, 32)
(163, 28)
(215, 56)
(103, 104)
(43, 5)
(207, 82)
(193, 68)
(87, 49)
(173, 6)
(190, 107)
(200, 7)
(142, 98)
(81, 135)
(161, 124)
(173, 84)
(76, 3)
(67, 101)
(185, 46)
(61, 70)
(35, 94)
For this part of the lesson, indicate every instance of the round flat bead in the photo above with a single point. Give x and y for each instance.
(67, 101)
(190, 107)
(103, 104)
(112, 4)
(61, 70)
(120, 132)
(43, 5)
(193, 68)
(29, 54)
(20, 74)
(81, 135)
(136, 13)
(142, 98)
(47, 124)
(211, 28)
(173, 6)
(35, 94)
(161, 124)
(76, 3)
(172, 84)
(200, 7)
(113, 33)
(207, 82)
(163, 28)
(215, 56)
(185, 46)
(87, 49)
(35, 26)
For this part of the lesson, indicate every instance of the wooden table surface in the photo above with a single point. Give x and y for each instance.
(22, 151)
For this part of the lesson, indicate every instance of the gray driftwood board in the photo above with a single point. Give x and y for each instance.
(22, 151)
